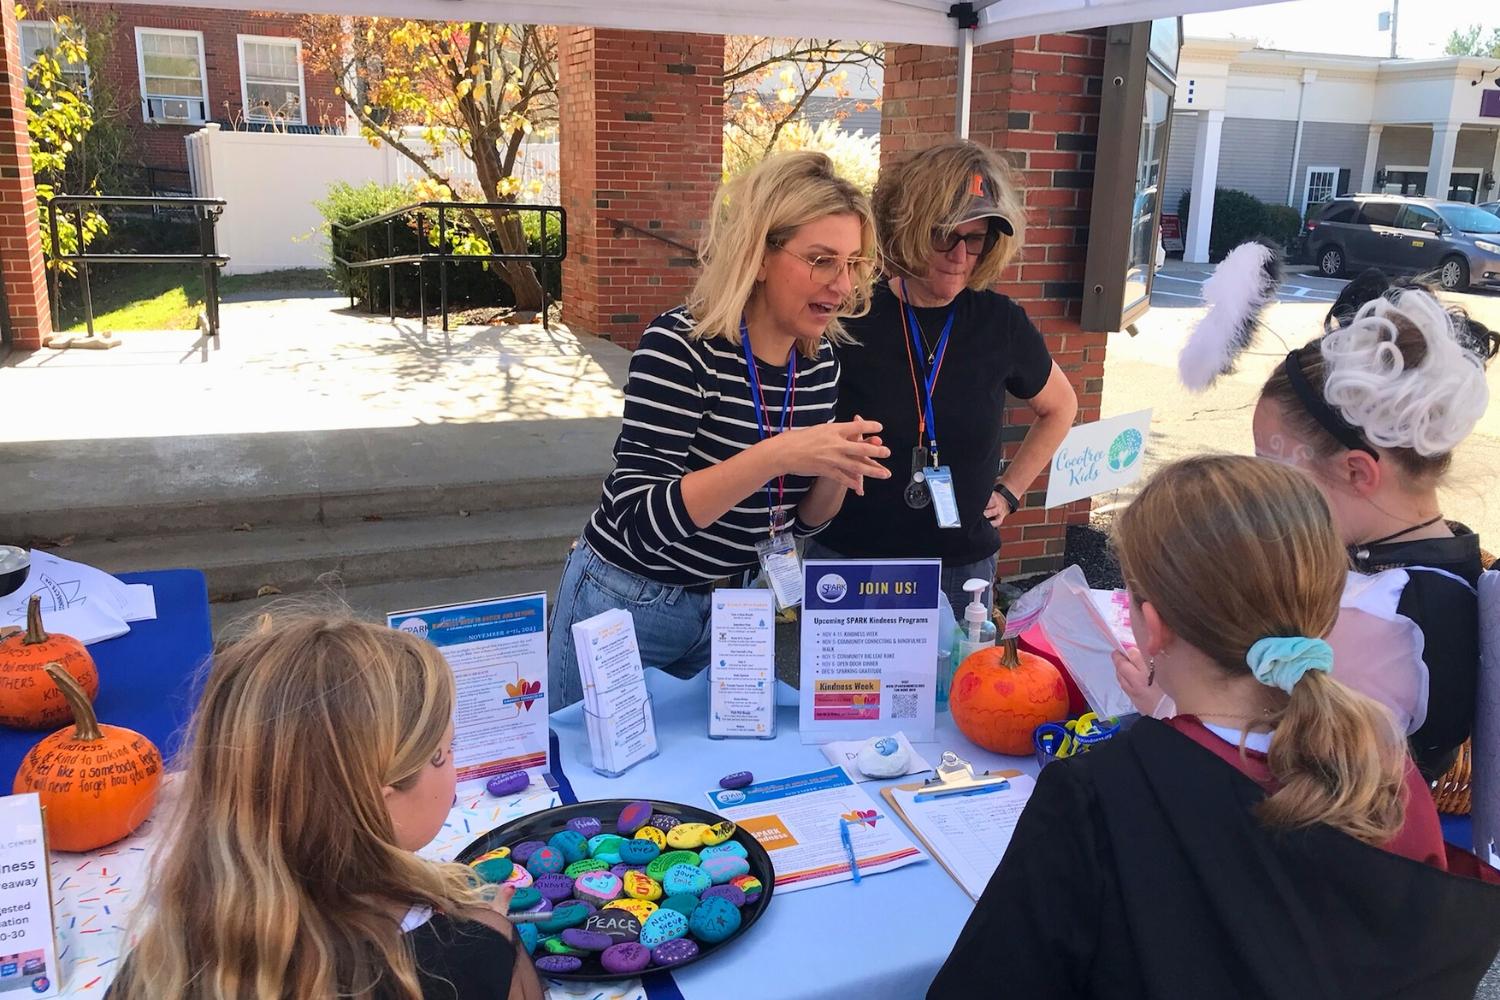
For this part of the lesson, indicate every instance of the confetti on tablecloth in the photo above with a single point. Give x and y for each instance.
(93, 894)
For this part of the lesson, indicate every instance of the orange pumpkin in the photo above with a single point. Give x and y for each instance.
(1001, 694)
(28, 700)
(97, 783)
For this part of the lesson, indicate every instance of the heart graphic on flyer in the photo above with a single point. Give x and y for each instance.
(865, 816)
(523, 691)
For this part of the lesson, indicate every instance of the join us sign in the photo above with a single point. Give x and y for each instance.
(1098, 457)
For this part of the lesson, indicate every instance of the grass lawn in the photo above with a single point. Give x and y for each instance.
(166, 297)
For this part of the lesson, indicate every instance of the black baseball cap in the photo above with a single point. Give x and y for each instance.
(982, 204)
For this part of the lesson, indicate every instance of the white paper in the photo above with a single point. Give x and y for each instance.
(869, 649)
(140, 602)
(796, 819)
(77, 600)
(843, 752)
(742, 664)
(28, 945)
(1093, 458)
(622, 731)
(498, 652)
(968, 833)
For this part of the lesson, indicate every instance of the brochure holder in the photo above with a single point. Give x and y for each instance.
(627, 731)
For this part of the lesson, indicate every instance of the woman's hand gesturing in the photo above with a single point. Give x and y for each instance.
(837, 451)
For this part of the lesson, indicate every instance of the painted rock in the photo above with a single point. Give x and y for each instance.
(520, 878)
(641, 909)
(719, 833)
(619, 925)
(729, 847)
(523, 851)
(529, 936)
(495, 870)
(585, 866)
(547, 860)
(684, 903)
(652, 835)
(733, 893)
(585, 826)
(585, 940)
(525, 899)
(749, 885)
(714, 920)
(507, 784)
(554, 886)
(499, 852)
(622, 869)
(663, 925)
(606, 847)
(557, 946)
(725, 869)
(627, 956)
(569, 913)
(633, 817)
(663, 822)
(598, 887)
(686, 878)
(674, 952)
(638, 852)
(738, 779)
(639, 885)
(686, 836)
(570, 844)
(559, 963)
(658, 869)
(882, 757)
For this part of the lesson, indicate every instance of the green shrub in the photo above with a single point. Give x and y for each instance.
(1282, 224)
(1237, 217)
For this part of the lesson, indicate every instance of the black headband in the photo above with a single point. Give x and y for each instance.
(1317, 407)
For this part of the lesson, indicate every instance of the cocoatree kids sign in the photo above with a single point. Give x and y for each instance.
(1098, 457)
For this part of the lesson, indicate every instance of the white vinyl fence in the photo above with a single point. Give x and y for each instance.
(271, 181)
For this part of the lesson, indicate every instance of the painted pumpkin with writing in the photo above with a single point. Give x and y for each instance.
(28, 699)
(97, 783)
(1001, 694)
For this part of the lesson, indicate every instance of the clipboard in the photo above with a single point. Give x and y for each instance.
(953, 777)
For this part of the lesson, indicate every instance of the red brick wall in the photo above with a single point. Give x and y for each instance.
(21, 265)
(1037, 100)
(642, 133)
(162, 145)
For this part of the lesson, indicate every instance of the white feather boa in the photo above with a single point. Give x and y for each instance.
(1237, 292)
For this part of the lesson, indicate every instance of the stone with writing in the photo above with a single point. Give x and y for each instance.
(627, 956)
(639, 852)
(686, 836)
(598, 887)
(639, 885)
(725, 868)
(729, 847)
(686, 878)
(663, 925)
(641, 909)
(674, 952)
(714, 920)
(658, 868)
(733, 893)
(571, 844)
(619, 925)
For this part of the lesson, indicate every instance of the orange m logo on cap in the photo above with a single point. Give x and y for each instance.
(976, 185)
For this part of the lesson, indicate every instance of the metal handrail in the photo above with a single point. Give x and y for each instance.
(439, 254)
(205, 210)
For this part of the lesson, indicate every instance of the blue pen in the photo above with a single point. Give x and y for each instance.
(844, 825)
(961, 793)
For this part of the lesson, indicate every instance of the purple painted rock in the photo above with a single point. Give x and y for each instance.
(627, 956)
(554, 886)
(543, 862)
(559, 963)
(738, 779)
(598, 887)
(508, 783)
(571, 844)
(633, 817)
(619, 925)
(622, 869)
(674, 952)
(725, 868)
(586, 940)
(523, 851)
(585, 826)
(663, 822)
(733, 893)
(714, 920)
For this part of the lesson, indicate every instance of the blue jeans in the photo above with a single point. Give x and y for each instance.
(671, 623)
(952, 579)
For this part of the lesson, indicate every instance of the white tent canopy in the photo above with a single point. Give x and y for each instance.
(926, 22)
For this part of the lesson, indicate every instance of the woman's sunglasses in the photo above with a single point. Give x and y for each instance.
(975, 244)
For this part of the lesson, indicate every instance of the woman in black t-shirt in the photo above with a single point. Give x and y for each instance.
(949, 220)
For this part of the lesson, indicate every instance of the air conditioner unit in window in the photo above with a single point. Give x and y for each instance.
(176, 109)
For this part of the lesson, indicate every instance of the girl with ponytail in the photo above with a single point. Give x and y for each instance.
(1273, 839)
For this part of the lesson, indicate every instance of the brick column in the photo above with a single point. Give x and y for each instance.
(22, 267)
(642, 136)
(1037, 101)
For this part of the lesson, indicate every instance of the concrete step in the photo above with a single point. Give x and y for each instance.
(292, 557)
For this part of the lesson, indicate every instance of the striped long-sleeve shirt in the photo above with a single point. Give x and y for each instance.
(687, 407)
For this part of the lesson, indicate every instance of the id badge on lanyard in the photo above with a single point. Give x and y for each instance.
(944, 503)
(779, 561)
(782, 567)
(931, 484)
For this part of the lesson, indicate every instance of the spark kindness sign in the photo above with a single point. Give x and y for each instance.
(1098, 457)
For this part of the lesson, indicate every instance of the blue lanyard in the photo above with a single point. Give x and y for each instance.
(929, 379)
(757, 400)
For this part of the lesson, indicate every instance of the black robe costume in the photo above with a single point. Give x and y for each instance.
(1138, 870)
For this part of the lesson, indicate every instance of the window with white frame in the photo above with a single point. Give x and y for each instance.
(271, 79)
(174, 85)
(42, 36)
(1322, 185)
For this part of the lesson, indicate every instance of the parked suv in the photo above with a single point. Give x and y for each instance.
(1457, 243)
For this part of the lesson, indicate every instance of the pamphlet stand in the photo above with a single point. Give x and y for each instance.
(629, 733)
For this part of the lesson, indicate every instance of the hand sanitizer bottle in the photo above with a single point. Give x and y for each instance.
(977, 631)
(947, 663)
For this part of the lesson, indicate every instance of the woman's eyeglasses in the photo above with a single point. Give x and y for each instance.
(825, 269)
(975, 244)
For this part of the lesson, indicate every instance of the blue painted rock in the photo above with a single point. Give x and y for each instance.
(525, 899)
(569, 913)
(598, 887)
(686, 878)
(663, 822)
(554, 886)
(684, 903)
(729, 847)
(633, 817)
(507, 784)
(674, 952)
(571, 844)
(686, 836)
(652, 834)
(619, 925)
(545, 861)
(749, 885)
(523, 851)
(719, 832)
(606, 847)
(529, 936)
(559, 963)
(639, 885)
(733, 893)
(638, 852)
(663, 925)
(627, 956)
(714, 920)
(725, 869)
(585, 940)
(738, 779)
(495, 870)
(585, 826)
(557, 946)
(658, 869)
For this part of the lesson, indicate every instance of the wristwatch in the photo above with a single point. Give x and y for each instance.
(1009, 497)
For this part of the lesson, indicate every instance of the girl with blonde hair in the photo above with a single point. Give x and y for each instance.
(1273, 839)
(729, 446)
(320, 758)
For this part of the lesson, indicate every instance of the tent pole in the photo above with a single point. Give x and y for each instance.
(967, 19)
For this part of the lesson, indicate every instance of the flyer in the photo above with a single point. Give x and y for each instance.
(498, 652)
(742, 664)
(616, 704)
(28, 946)
(869, 649)
(796, 819)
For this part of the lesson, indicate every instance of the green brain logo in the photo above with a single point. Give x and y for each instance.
(1125, 449)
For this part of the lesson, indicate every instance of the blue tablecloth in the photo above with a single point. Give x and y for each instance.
(885, 937)
(146, 675)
